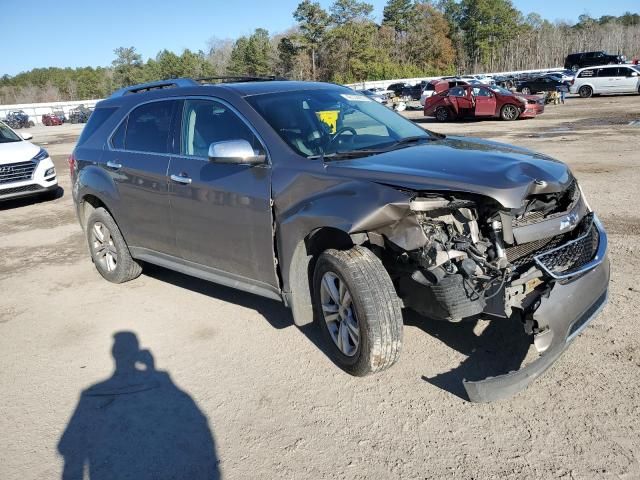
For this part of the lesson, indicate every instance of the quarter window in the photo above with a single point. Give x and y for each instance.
(117, 140)
(587, 73)
(148, 127)
(206, 121)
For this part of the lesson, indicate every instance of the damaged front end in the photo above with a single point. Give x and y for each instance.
(456, 256)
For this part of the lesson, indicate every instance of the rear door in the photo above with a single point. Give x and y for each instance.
(221, 213)
(138, 159)
(606, 81)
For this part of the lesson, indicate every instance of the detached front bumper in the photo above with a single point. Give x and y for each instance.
(567, 310)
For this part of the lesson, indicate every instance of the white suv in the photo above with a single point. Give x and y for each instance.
(606, 79)
(25, 169)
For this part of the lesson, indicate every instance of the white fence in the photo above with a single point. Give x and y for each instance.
(36, 110)
(413, 81)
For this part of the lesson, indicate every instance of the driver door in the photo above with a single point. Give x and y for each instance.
(221, 213)
(485, 102)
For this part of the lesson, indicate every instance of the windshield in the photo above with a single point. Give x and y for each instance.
(7, 135)
(330, 121)
(501, 90)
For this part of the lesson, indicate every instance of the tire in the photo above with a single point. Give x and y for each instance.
(509, 112)
(442, 114)
(110, 253)
(372, 311)
(526, 91)
(585, 91)
(575, 68)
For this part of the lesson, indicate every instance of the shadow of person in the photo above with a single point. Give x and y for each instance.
(137, 425)
(499, 348)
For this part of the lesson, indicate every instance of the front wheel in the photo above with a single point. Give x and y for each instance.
(509, 112)
(585, 91)
(526, 90)
(108, 248)
(358, 310)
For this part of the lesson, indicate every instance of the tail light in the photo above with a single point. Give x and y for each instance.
(72, 165)
(572, 81)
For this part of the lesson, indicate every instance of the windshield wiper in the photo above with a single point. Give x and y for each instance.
(349, 154)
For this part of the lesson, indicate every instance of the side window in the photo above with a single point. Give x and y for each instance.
(205, 122)
(607, 72)
(587, 73)
(623, 72)
(117, 140)
(148, 127)
(457, 92)
(481, 92)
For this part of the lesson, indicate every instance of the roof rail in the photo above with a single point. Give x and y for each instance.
(145, 87)
(239, 78)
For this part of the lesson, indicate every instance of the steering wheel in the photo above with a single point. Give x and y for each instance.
(340, 132)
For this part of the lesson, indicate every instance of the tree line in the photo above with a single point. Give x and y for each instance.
(345, 44)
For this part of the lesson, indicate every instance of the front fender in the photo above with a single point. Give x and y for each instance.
(343, 206)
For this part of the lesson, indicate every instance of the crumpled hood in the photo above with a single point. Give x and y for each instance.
(503, 172)
(13, 152)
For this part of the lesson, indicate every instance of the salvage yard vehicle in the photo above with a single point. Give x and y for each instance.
(18, 119)
(576, 61)
(25, 169)
(440, 85)
(342, 209)
(80, 114)
(482, 102)
(49, 119)
(607, 79)
(406, 91)
(537, 84)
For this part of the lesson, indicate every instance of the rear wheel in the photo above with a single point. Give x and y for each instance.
(108, 249)
(575, 68)
(509, 112)
(442, 114)
(526, 90)
(585, 91)
(358, 310)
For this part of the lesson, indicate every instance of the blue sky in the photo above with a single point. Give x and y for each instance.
(42, 33)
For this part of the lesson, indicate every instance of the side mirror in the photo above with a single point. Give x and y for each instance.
(634, 74)
(26, 136)
(238, 152)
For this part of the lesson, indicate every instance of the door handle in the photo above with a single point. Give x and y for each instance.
(181, 179)
(114, 165)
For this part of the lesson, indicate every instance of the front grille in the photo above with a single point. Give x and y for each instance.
(25, 188)
(576, 253)
(16, 172)
(523, 254)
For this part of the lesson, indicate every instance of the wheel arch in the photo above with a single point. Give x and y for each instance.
(302, 265)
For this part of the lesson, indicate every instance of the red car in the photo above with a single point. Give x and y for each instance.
(479, 101)
(50, 119)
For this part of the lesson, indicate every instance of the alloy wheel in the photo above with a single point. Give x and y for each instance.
(339, 314)
(442, 114)
(510, 112)
(104, 250)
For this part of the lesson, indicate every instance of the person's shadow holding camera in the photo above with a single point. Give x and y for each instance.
(137, 425)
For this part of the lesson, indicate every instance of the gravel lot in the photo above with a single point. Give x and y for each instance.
(237, 385)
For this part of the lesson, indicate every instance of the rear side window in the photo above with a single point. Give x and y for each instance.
(96, 120)
(587, 73)
(148, 127)
(607, 72)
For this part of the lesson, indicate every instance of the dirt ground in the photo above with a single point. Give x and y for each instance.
(231, 385)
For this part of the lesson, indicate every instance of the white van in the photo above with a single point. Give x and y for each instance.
(606, 79)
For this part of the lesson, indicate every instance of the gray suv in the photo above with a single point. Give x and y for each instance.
(317, 196)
